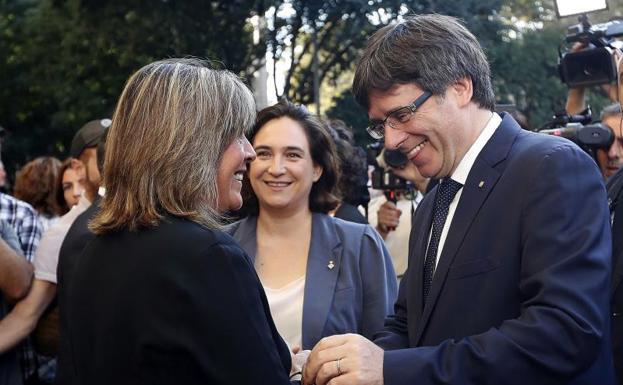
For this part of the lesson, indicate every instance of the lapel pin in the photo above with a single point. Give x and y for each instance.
(481, 184)
(331, 265)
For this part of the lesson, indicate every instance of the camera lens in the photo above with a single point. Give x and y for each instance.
(395, 158)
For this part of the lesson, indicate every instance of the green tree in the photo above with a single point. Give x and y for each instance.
(337, 30)
(63, 63)
(480, 16)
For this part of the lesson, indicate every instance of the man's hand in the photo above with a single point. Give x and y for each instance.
(344, 359)
(388, 218)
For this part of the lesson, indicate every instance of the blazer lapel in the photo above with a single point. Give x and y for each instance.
(480, 182)
(247, 235)
(323, 266)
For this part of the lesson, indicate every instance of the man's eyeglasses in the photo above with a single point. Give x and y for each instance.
(397, 118)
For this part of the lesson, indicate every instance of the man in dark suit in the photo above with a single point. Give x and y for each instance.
(509, 256)
(615, 199)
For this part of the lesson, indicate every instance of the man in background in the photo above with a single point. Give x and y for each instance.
(23, 318)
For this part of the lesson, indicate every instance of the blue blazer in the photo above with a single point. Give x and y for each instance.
(520, 294)
(356, 294)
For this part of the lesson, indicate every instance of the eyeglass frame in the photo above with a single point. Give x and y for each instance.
(417, 103)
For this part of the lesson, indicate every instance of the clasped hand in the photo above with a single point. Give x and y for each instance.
(344, 359)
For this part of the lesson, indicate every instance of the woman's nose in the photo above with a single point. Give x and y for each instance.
(249, 152)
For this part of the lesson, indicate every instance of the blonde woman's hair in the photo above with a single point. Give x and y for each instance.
(172, 124)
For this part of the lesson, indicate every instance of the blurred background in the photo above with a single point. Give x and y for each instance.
(63, 63)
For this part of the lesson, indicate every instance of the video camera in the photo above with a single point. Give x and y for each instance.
(383, 179)
(596, 63)
(579, 129)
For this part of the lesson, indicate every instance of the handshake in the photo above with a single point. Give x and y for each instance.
(337, 360)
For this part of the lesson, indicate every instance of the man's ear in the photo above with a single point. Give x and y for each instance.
(463, 90)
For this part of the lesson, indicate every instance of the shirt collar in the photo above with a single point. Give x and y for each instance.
(465, 165)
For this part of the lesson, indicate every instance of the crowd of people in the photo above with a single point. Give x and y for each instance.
(193, 240)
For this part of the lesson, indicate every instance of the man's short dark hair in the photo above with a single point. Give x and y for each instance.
(432, 51)
(323, 196)
(611, 110)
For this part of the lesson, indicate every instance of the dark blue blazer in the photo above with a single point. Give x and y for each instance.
(355, 295)
(615, 197)
(520, 294)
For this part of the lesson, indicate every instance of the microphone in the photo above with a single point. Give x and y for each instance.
(594, 135)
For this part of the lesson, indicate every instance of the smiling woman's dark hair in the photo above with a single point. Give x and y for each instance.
(323, 196)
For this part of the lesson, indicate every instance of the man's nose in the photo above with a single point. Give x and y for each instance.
(615, 151)
(393, 138)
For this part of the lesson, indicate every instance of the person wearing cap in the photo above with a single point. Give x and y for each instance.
(84, 148)
(24, 316)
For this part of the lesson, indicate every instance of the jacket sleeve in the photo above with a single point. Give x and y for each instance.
(563, 282)
(395, 335)
(379, 282)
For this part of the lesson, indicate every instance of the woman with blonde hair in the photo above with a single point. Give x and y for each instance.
(160, 295)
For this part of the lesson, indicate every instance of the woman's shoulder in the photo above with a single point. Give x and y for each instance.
(345, 230)
(192, 234)
(243, 229)
(350, 226)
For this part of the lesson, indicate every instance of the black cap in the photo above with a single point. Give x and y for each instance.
(88, 136)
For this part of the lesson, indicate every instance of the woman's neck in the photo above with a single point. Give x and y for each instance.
(276, 222)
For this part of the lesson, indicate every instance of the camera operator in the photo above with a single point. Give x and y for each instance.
(609, 160)
(610, 163)
(385, 214)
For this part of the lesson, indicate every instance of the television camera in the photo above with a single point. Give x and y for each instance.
(579, 129)
(384, 179)
(595, 64)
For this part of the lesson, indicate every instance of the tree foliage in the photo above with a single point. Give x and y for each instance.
(338, 30)
(63, 63)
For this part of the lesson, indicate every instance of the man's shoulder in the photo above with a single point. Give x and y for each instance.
(9, 205)
(530, 149)
(542, 143)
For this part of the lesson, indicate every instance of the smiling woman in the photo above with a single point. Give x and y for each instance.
(161, 295)
(322, 275)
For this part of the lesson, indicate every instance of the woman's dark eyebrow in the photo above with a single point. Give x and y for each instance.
(287, 148)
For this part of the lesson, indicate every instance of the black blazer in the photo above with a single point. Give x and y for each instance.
(520, 293)
(75, 241)
(176, 304)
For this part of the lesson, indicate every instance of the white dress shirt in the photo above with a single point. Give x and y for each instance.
(462, 171)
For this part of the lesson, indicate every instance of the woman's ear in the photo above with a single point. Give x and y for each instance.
(317, 173)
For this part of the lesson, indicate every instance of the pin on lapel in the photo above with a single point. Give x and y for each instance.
(331, 265)
(481, 184)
